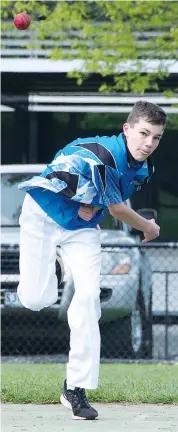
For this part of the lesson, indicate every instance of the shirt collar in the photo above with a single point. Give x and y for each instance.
(132, 163)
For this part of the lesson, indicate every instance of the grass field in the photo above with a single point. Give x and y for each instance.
(134, 383)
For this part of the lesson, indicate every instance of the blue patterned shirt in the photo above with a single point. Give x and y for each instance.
(91, 171)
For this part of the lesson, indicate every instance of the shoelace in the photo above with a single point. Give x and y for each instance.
(83, 397)
(79, 399)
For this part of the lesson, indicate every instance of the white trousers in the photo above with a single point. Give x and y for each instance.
(39, 236)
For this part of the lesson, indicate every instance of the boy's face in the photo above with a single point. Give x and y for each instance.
(143, 138)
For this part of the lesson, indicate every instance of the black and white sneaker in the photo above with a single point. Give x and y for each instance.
(76, 401)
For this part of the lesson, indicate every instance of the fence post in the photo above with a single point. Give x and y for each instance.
(167, 318)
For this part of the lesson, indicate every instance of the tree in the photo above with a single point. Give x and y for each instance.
(106, 36)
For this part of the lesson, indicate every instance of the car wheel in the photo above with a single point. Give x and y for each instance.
(130, 337)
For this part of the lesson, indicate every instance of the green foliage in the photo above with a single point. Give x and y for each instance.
(105, 35)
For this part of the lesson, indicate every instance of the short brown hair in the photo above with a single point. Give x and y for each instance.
(148, 111)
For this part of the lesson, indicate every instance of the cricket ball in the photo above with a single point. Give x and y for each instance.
(22, 21)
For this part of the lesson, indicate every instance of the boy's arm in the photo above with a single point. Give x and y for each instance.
(129, 216)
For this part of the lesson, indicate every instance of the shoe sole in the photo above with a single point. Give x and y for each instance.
(67, 404)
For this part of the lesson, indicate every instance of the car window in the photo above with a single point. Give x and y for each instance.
(11, 197)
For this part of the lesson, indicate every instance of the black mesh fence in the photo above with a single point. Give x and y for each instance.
(139, 302)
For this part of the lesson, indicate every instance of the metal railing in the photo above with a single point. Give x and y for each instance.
(28, 44)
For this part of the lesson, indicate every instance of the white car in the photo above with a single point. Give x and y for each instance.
(126, 278)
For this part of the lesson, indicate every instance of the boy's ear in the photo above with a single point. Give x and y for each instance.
(126, 127)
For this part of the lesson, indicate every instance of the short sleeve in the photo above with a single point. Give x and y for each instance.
(112, 194)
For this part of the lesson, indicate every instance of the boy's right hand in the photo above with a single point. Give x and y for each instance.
(87, 211)
(151, 232)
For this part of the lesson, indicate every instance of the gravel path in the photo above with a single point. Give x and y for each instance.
(112, 418)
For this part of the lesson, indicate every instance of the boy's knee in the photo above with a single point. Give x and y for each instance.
(33, 306)
(33, 303)
(37, 301)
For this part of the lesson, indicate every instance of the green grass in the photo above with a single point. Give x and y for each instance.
(134, 383)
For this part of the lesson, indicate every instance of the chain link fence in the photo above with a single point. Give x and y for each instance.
(139, 302)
